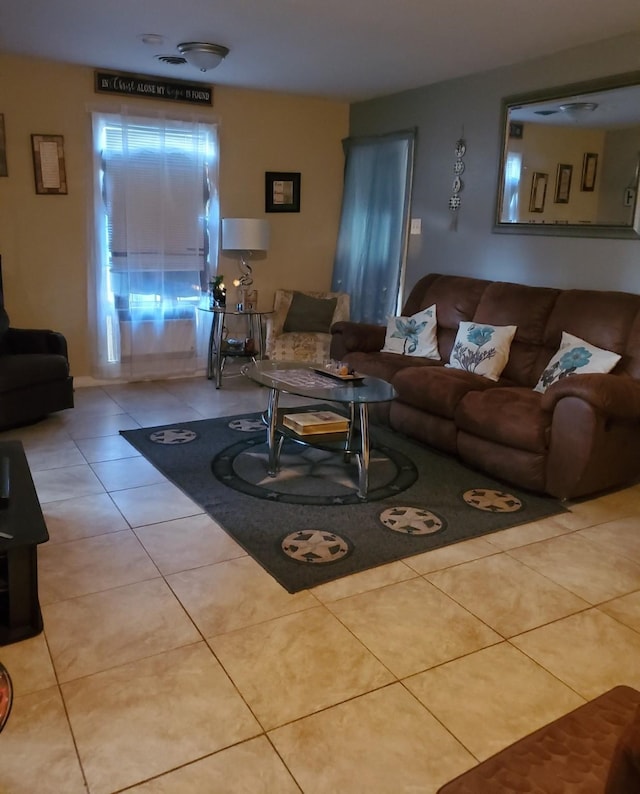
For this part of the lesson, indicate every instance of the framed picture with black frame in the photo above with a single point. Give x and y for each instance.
(282, 191)
(589, 171)
(563, 183)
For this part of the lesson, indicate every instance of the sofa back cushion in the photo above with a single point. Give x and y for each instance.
(610, 320)
(456, 299)
(630, 363)
(529, 309)
(603, 319)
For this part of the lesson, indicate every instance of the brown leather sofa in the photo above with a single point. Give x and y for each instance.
(594, 749)
(579, 437)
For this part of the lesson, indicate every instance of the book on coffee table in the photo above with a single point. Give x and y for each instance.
(310, 422)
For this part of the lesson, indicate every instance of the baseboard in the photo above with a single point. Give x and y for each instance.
(88, 381)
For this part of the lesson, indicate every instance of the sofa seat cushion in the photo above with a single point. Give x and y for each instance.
(386, 365)
(437, 390)
(21, 371)
(510, 416)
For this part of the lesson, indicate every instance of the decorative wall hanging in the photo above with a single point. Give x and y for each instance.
(153, 88)
(48, 164)
(4, 171)
(458, 184)
(282, 191)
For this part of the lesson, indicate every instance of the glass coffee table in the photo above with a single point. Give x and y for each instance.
(304, 380)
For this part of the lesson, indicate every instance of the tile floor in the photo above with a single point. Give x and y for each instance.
(171, 663)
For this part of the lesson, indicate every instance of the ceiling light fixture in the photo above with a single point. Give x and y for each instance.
(202, 55)
(578, 107)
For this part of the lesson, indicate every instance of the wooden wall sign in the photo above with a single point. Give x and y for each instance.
(152, 88)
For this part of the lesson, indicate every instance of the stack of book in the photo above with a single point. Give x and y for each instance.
(308, 423)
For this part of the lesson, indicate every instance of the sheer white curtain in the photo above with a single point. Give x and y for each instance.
(372, 239)
(156, 229)
(511, 188)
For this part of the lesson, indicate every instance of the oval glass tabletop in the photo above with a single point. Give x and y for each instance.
(302, 379)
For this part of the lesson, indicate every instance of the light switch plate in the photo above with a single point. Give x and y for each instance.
(416, 226)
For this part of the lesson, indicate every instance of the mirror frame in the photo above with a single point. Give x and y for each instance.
(630, 232)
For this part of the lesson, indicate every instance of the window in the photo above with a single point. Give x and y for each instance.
(512, 172)
(156, 214)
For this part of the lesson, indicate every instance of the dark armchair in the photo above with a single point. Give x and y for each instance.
(34, 373)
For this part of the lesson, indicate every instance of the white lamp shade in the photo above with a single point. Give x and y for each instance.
(245, 234)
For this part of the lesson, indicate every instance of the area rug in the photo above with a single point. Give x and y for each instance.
(307, 526)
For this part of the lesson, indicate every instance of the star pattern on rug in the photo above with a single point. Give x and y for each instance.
(412, 520)
(246, 425)
(492, 501)
(334, 474)
(311, 463)
(173, 435)
(315, 546)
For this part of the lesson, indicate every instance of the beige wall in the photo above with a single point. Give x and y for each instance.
(45, 241)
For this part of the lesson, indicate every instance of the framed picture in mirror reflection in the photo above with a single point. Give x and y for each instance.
(589, 170)
(538, 191)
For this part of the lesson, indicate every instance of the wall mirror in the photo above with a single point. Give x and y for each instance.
(570, 160)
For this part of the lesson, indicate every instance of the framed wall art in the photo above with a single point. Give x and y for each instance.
(563, 183)
(538, 191)
(48, 164)
(4, 170)
(282, 191)
(516, 129)
(589, 171)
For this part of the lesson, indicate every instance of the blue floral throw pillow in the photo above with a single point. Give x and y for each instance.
(575, 356)
(413, 336)
(482, 349)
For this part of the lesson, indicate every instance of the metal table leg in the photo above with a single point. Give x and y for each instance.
(211, 347)
(363, 455)
(273, 442)
(217, 331)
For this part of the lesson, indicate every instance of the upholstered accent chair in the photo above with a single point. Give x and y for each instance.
(300, 327)
(34, 372)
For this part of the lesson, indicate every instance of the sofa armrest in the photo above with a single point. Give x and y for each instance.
(350, 337)
(615, 395)
(34, 340)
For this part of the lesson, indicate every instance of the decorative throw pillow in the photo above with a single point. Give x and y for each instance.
(413, 336)
(483, 349)
(575, 356)
(309, 315)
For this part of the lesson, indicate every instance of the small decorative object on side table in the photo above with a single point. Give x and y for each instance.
(217, 292)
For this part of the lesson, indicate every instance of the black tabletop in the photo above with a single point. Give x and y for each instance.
(21, 518)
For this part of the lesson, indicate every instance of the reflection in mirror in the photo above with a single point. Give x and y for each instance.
(571, 160)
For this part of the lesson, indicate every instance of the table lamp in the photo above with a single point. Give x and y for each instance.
(245, 235)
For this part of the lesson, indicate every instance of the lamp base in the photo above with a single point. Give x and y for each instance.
(247, 299)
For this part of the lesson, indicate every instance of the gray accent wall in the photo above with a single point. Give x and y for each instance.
(471, 107)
